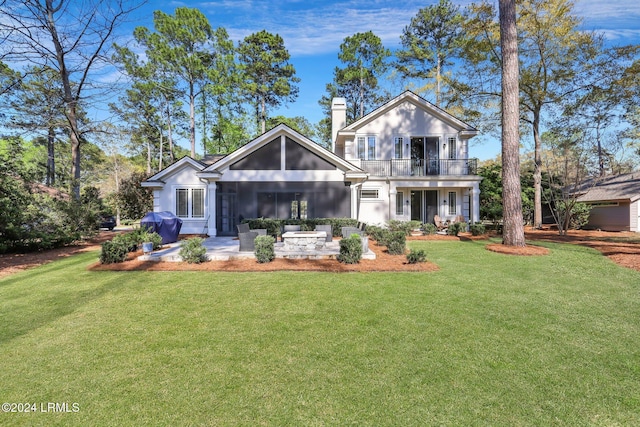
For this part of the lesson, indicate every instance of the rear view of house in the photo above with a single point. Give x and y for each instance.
(406, 160)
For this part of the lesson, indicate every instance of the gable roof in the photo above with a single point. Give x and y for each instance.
(272, 134)
(158, 179)
(420, 102)
(618, 187)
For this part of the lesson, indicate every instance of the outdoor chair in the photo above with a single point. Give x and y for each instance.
(460, 218)
(246, 240)
(291, 228)
(348, 231)
(440, 224)
(327, 228)
(260, 231)
(243, 228)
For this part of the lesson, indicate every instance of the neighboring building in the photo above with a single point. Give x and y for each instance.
(614, 201)
(406, 160)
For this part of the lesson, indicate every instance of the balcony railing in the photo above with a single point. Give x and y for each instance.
(419, 167)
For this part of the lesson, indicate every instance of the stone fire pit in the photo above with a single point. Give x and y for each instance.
(304, 241)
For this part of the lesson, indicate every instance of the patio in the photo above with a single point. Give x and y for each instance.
(227, 248)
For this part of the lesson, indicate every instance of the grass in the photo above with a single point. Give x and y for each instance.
(489, 339)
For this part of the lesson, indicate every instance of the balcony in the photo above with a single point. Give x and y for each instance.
(418, 167)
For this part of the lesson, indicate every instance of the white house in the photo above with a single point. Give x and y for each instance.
(406, 160)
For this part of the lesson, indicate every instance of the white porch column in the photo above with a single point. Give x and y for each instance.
(211, 226)
(475, 203)
(354, 201)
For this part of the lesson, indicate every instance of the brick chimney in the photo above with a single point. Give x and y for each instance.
(338, 117)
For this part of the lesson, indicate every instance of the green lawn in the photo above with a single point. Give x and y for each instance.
(489, 339)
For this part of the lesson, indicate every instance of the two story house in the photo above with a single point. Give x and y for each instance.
(405, 160)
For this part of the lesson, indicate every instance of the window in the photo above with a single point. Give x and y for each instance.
(453, 148)
(400, 203)
(397, 143)
(368, 194)
(366, 147)
(190, 202)
(182, 202)
(452, 203)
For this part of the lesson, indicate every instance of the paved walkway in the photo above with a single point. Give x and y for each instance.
(226, 248)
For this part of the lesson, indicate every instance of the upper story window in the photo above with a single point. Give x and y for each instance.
(398, 142)
(190, 202)
(452, 143)
(366, 147)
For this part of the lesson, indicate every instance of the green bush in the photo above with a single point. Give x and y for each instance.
(396, 243)
(405, 226)
(193, 251)
(154, 238)
(128, 240)
(416, 256)
(477, 229)
(113, 252)
(457, 227)
(376, 232)
(428, 228)
(265, 251)
(350, 249)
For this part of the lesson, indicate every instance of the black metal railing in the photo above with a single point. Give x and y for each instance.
(420, 167)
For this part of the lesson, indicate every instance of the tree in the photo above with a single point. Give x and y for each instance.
(430, 44)
(133, 200)
(70, 37)
(268, 77)
(513, 228)
(186, 46)
(38, 108)
(557, 60)
(365, 58)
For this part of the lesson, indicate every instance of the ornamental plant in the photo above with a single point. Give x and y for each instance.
(193, 251)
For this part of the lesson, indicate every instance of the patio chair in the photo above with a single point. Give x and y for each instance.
(327, 228)
(246, 240)
(460, 218)
(243, 228)
(348, 231)
(440, 224)
(291, 228)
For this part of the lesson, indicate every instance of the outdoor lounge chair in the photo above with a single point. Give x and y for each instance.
(289, 227)
(440, 224)
(327, 228)
(247, 243)
(243, 228)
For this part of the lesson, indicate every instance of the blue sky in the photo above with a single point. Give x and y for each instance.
(313, 31)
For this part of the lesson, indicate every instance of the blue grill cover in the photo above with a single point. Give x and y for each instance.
(166, 224)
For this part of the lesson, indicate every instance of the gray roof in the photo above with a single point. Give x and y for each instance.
(618, 187)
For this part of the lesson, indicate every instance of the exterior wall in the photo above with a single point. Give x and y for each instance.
(634, 209)
(611, 218)
(165, 199)
(405, 121)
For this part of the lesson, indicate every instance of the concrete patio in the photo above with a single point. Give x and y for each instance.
(227, 248)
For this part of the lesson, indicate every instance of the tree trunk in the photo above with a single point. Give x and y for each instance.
(513, 229)
(192, 120)
(263, 114)
(51, 158)
(537, 171)
(169, 134)
(438, 88)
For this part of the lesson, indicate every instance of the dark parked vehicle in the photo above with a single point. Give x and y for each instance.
(108, 222)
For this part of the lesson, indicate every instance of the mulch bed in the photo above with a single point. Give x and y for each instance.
(624, 254)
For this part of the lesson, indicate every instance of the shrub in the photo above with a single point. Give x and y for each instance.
(455, 228)
(416, 256)
(405, 226)
(193, 251)
(265, 248)
(154, 238)
(350, 249)
(375, 232)
(113, 252)
(396, 243)
(128, 240)
(428, 228)
(477, 229)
